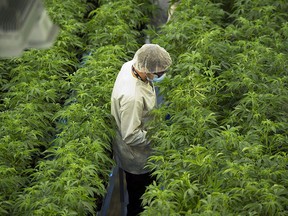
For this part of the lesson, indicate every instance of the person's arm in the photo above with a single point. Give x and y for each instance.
(131, 125)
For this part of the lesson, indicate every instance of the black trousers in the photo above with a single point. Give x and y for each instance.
(136, 186)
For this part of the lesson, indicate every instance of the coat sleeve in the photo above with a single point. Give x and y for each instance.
(132, 131)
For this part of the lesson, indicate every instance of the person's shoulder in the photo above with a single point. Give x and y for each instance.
(128, 63)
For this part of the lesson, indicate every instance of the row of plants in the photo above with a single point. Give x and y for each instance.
(224, 149)
(72, 176)
(33, 88)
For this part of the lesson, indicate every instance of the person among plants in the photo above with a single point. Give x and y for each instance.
(133, 97)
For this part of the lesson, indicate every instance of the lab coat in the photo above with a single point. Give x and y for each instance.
(131, 102)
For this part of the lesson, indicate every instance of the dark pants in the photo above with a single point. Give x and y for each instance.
(136, 186)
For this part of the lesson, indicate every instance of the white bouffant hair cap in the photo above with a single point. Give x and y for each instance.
(151, 58)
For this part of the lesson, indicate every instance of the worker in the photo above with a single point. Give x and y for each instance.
(132, 99)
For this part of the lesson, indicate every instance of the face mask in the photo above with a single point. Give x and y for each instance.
(156, 78)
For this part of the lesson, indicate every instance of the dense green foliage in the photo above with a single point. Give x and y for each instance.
(30, 97)
(224, 150)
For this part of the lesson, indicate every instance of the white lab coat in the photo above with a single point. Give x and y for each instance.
(131, 102)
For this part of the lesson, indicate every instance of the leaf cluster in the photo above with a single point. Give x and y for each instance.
(220, 136)
(32, 90)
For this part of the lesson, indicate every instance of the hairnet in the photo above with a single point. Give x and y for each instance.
(151, 58)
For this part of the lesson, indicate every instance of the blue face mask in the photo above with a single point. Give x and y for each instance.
(156, 78)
